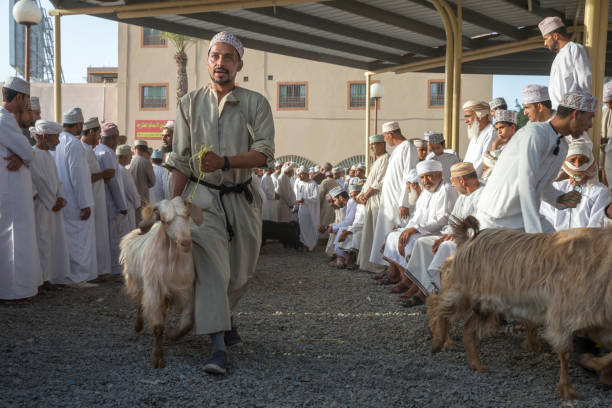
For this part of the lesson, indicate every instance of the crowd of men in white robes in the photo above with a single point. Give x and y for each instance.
(396, 222)
(68, 193)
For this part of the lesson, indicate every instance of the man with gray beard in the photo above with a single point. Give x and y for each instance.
(480, 132)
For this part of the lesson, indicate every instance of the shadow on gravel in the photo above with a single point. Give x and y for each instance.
(314, 337)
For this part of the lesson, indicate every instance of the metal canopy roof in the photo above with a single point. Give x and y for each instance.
(364, 34)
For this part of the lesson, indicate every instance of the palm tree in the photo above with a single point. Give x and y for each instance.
(181, 43)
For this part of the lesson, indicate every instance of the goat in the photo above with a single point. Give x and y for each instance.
(562, 281)
(159, 271)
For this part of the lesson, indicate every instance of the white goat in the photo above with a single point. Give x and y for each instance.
(159, 271)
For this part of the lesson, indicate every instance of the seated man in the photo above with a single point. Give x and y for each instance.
(431, 214)
(430, 252)
(582, 171)
(349, 239)
(447, 157)
(341, 200)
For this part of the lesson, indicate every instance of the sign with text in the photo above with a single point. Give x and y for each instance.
(149, 129)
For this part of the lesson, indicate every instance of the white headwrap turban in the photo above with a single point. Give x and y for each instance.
(411, 177)
(302, 169)
(428, 166)
(48, 127)
(481, 108)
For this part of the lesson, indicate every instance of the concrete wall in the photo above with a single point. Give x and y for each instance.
(326, 131)
(94, 99)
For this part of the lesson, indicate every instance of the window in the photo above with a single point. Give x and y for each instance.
(152, 38)
(357, 95)
(154, 97)
(293, 96)
(435, 93)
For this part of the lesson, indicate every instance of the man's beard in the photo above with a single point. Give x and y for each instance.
(221, 82)
(473, 130)
(413, 196)
(431, 187)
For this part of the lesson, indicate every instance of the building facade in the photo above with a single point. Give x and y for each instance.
(318, 108)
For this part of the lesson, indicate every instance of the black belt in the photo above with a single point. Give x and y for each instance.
(223, 189)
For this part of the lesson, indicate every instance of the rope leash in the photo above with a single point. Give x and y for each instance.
(199, 156)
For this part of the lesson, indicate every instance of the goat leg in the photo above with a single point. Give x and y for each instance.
(593, 363)
(564, 388)
(138, 322)
(531, 342)
(173, 333)
(470, 340)
(157, 360)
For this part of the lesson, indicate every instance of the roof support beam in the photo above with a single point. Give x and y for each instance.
(387, 17)
(480, 20)
(249, 43)
(297, 36)
(292, 16)
(536, 9)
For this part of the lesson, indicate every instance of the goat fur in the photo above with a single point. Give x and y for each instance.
(159, 271)
(562, 281)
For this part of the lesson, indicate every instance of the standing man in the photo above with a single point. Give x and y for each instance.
(48, 205)
(142, 171)
(238, 124)
(20, 273)
(270, 196)
(167, 135)
(531, 161)
(73, 171)
(126, 181)
(286, 198)
(480, 132)
(158, 191)
(606, 132)
(89, 139)
(370, 196)
(326, 212)
(307, 197)
(421, 146)
(497, 103)
(536, 103)
(116, 207)
(571, 69)
(403, 159)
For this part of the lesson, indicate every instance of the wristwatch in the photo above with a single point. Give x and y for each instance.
(226, 164)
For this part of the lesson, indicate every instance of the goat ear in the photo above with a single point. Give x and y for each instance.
(196, 214)
(146, 224)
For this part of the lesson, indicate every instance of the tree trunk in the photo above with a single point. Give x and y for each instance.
(181, 75)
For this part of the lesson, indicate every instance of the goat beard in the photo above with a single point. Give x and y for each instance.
(474, 129)
(413, 196)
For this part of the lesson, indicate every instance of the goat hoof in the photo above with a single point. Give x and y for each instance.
(531, 346)
(138, 325)
(567, 392)
(449, 343)
(481, 368)
(157, 362)
(171, 333)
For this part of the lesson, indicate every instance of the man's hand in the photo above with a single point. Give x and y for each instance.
(14, 162)
(343, 236)
(300, 201)
(404, 238)
(211, 162)
(362, 199)
(85, 213)
(569, 200)
(108, 174)
(59, 204)
(404, 212)
(322, 229)
(276, 196)
(444, 237)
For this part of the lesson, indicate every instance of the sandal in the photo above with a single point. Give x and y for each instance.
(385, 281)
(413, 301)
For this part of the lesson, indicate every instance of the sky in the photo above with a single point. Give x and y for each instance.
(91, 41)
(86, 41)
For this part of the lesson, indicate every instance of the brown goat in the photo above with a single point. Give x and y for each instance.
(562, 281)
(159, 271)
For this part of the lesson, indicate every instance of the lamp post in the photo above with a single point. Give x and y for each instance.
(376, 92)
(28, 13)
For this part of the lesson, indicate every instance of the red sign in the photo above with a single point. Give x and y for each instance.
(149, 129)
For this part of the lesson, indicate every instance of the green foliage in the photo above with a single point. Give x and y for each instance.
(179, 41)
(522, 118)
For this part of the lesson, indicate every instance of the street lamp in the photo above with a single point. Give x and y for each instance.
(28, 13)
(376, 92)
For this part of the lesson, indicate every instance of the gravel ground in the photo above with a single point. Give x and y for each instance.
(314, 337)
